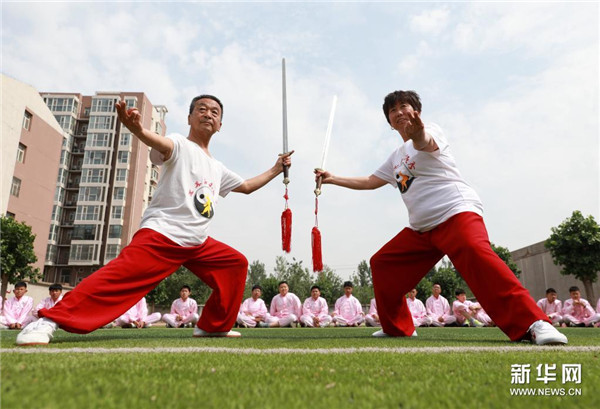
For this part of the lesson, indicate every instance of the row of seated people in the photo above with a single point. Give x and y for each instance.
(286, 310)
(18, 311)
(575, 312)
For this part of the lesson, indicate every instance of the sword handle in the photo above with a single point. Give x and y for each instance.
(286, 174)
(318, 185)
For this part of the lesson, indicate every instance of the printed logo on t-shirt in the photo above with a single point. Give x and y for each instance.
(402, 173)
(203, 202)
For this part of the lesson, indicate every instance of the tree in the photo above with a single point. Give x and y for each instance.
(17, 255)
(256, 275)
(297, 276)
(447, 277)
(362, 280)
(168, 289)
(575, 246)
(505, 255)
(330, 284)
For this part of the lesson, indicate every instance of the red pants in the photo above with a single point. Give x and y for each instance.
(141, 266)
(399, 266)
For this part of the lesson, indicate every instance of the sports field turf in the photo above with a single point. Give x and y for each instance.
(296, 368)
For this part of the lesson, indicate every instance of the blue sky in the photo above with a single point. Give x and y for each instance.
(515, 87)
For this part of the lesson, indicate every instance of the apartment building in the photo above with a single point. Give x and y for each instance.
(105, 181)
(31, 145)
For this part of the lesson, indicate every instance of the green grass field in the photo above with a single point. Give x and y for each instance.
(292, 368)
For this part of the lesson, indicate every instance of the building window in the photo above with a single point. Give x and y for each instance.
(119, 193)
(15, 187)
(27, 120)
(112, 251)
(116, 212)
(88, 213)
(125, 139)
(65, 275)
(114, 231)
(84, 232)
(95, 158)
(122, 157)
(91, 194)
(11, 215)
(93, 176)
(100, 122)
(82, 252)
(121, 175)
(103, 105)
(98, 139)
(21, 153)
(131, 102)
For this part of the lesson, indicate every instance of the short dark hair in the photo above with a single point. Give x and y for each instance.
(20, 284)
(550, 290)
(186, 286)
(315, 286)
(348, 284)
(459, 291)
(282, 282)
(409, 97)
(574, 288)
(256, 287)
(217, 100)
(55, 286)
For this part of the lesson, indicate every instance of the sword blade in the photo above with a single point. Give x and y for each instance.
(328, 134)
(284, 96)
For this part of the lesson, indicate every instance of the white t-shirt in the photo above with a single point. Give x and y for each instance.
(187, 194)
(432, 188)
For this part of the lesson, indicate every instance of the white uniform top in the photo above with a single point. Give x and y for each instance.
(139, 312)
(373, 307)
(187, 193)
(598, 306)
(416, 307)
(254, 308)
(46, 303)
(550, 308)
(432, 188)
(284, 306)
(315, 308)
(16, 311)
(184, 308)
(581, 312)
(348, 307)
(437, 307)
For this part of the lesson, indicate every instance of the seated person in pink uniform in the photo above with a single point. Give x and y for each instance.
(372, 318)
(253, 312)
(17, 310)
(184, 310)
(315, 311)
(552, 307)
(55, 291)
(137, 316)
(417, 310)
(577, 312)
(438, 308)
(348, 312)
(286, 308)
(469, 313)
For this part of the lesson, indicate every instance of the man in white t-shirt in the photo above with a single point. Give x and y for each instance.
(445, 219)
(173, 232)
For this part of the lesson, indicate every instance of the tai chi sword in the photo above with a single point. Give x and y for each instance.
(286, 178)
(326, 145)
(286, 216)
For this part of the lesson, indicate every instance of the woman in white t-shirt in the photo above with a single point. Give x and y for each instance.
(445, 216)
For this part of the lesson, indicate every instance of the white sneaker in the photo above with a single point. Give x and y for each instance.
(37, 333)
(381, 334)
(200, 333)
(543, 333)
